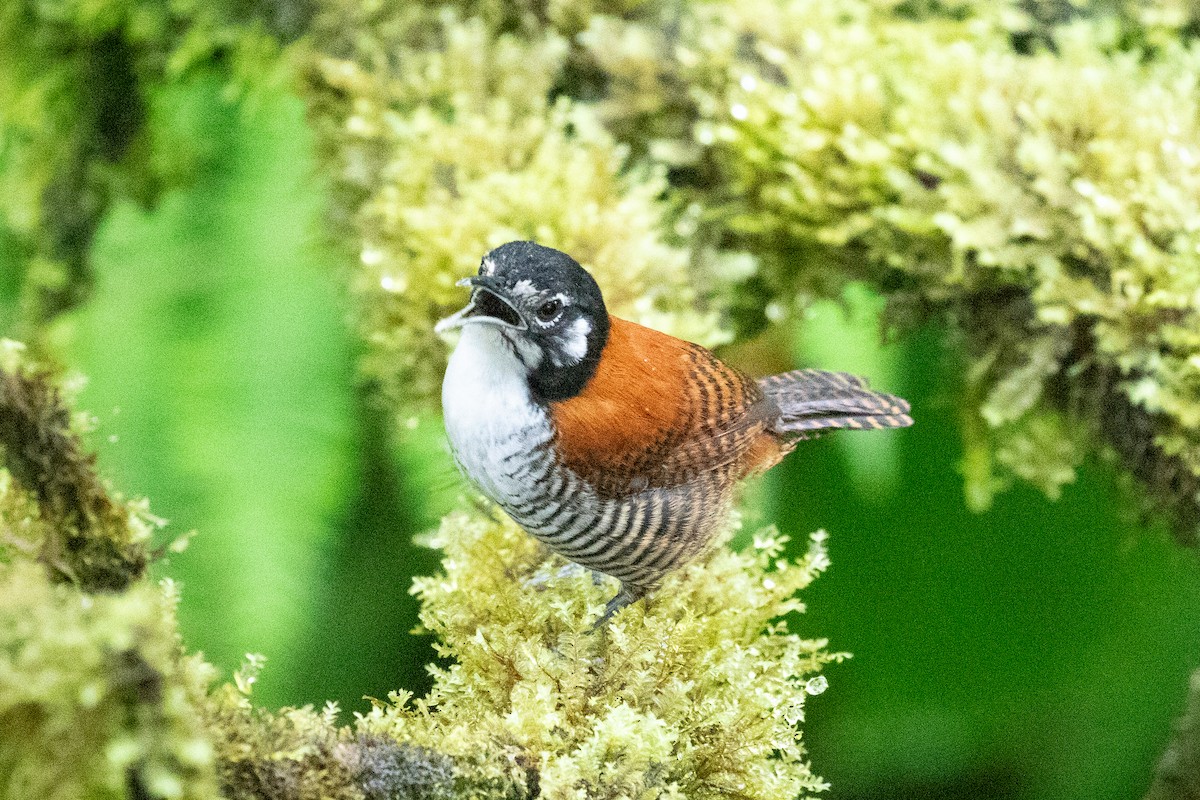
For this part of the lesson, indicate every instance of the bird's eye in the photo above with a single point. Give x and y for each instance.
(547, 310)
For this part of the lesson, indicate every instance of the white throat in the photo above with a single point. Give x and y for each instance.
(489, 411)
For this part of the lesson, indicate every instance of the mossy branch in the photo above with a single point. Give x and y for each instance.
(697, 694)
(86, 536)
(974, 164)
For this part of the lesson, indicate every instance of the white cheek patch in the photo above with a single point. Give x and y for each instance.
(575, 343)
(488, 267)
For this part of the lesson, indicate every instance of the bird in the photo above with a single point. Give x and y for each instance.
(619, 447)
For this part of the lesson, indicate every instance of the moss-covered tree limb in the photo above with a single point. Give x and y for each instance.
(991, 184)
(95, 699)
(86, 536)
(1026, 172)
(697, 694)
(97, 695)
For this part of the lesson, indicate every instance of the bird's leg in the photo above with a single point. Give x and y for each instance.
(628, 594)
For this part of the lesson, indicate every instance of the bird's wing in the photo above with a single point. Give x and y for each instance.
(662, 412)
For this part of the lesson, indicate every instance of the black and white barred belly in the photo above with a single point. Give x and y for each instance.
(637, 537)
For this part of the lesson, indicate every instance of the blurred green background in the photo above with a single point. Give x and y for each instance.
(1039, 650)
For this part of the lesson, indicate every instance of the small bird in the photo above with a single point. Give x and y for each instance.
(617, 446)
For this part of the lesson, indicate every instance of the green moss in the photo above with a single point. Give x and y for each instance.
(695, 692)
(443, 144)
(55, 506)
(94, 701)
(299, 754)
(1050, 202)
(97, 696)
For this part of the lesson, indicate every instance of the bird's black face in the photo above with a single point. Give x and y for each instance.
(549, 311)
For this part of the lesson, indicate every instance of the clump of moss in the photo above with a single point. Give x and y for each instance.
(443, 143)
(97, 696)
(695, 692)
(299, 754)
(94, 700)
(1042, 194)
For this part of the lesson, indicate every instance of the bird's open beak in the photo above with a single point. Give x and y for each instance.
(488, 304)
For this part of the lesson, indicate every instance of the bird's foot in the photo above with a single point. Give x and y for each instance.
(627, 595)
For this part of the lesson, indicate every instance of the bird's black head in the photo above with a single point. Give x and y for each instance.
(549, 310)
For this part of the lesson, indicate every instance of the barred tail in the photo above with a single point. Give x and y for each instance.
(812, 400)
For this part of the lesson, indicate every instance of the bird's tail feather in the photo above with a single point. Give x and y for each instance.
(812, 400)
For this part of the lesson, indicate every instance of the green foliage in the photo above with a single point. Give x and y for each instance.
(83, 122)
(695, 693)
